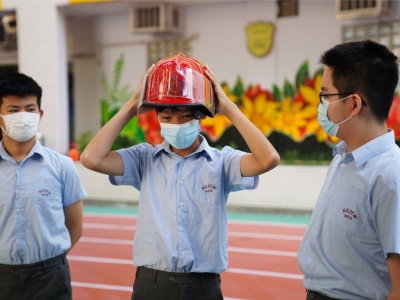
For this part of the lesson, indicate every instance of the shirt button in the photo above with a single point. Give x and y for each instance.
(180, 228)
(316, 224)
(181, 204)
(183, 253)
(312, 255)
(181, 181)
(343, 165)
(12, 270)
(172, 278)
(328, 195)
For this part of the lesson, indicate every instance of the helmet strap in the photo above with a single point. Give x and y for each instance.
(197, 114)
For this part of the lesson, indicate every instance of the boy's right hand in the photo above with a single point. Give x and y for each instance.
(134, 101)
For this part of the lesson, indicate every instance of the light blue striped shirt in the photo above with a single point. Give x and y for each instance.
(182, 222)
(32, 197)
(355, 223)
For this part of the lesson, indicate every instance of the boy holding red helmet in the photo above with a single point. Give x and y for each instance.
(181, 230)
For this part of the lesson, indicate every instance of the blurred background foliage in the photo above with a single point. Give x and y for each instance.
(287, 116)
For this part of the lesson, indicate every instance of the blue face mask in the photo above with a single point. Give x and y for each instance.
(327, 125)
(181, 136)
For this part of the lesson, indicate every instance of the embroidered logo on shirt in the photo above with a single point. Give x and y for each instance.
(209, 188)
(349, 214)
(45, 192)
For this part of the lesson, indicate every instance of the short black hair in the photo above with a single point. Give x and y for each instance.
(367, 68)
(17, 84)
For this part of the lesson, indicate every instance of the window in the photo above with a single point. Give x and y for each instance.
(353, 9)
(357, 4)
(387, 34)
(287, 8)
(156, 18)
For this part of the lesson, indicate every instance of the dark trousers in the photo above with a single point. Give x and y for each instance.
(152, 284)
(312, 295)
(45, 280)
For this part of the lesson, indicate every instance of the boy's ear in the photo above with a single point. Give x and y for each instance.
(357, 103)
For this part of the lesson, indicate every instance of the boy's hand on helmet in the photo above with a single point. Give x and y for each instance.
(223, 100)
(136, 95)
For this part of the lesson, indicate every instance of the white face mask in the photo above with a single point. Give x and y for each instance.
(21, 126)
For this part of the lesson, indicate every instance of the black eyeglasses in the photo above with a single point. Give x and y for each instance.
(341, 94)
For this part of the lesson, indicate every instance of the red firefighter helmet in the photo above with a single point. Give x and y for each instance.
(178, 80)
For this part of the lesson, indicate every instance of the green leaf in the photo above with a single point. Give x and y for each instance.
(238, 90)
(133, 132)
(276, 92)
(117, 72)
(105, 86)
(288, 89)
(104, 112)
(114, 97)
(302, 74)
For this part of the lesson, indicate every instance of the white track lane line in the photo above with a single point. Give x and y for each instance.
(85, 239)
(254, 235)
(118, 261)
(265, 273)
(110, 287)
(240, 222)
(109, 226)
(99, 286)
(269, 236)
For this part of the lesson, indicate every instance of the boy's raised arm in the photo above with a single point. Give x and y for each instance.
(97, 155)
(263, 156)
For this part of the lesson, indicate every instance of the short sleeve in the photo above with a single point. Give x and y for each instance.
(233, 179)
(133, 159)
(72, 187)
(386, 208)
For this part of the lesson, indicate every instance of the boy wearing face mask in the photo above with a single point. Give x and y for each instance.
(180, 245)
(40, 200)
(351, 249)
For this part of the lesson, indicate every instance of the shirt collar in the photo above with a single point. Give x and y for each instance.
(37, 148)
(368, 151)
(203, 147)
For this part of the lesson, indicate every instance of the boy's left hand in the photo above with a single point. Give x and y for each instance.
(222, 99)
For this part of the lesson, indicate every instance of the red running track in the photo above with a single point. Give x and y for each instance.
(262, 260)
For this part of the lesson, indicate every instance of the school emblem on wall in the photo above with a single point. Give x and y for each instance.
(259, 37)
